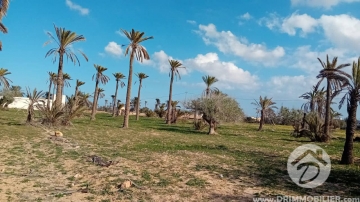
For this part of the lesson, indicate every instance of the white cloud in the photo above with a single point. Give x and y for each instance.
(246, 16)
(73, 6)
(229, 75)
(306, 23)
(114, 49)
(342, 30)
(289, 87)
(290, 24)
(305, 59)
(193, 22)
(327, 4)
(272, 22)
(161, 61)
(228, 43)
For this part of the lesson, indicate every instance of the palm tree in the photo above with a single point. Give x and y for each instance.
(263, 105)
(138, 51)
(157, 104)
(4, 5)
(145, 103)
(84, 99)
(66, 83)
(352, 97)
(312, 97)
(209, 80)
(78, 84)
(141, 76)
(118, 76)
(34, 98)
(76, 95)
(99, 78)
(64, 39)
(134, 103)
(52, 77)
(3, 80)
(174, 71)
(335, 79)
(100, 95)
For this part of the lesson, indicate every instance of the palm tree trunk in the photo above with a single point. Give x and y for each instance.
(48, 98)
(138, 102)
(326, 136)
(261, 120)
(312, 104)
(168, 120)
(94, 107)
(58, 101)
(351, 123)
(116, 90)
(212, 127)
(128, 92)
(75, 99)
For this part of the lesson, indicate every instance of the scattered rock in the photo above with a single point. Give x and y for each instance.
(58, 134)
(78, 175)
(125, 185)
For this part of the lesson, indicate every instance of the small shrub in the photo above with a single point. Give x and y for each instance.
(150, 113)
(199, 125)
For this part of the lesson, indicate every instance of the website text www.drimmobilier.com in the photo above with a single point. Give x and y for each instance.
(307, 199)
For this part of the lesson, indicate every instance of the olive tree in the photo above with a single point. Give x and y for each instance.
(217, 109)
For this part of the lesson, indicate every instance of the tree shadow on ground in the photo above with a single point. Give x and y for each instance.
(182, 129)
(270, 171)
(226, 197)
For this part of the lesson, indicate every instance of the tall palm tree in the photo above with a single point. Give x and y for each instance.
(335, 79)
(263, 105)
(118, 77)
(209, 81)
(174, 72)
(99, 78)
(138, 51)
(3, 80)
(352, 97)
(4, 5)
(52, 78)
(141, 76)
(64, 40)
(113, 104)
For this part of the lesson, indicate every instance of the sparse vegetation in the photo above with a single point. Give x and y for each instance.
(156, 158)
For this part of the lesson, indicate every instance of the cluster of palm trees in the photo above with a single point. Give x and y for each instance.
(335, 77)
(320, 100)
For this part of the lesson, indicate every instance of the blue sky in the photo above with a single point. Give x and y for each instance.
(254, 48)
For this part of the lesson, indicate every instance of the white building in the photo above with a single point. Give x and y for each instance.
(23, 102)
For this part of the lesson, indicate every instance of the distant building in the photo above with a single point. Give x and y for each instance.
(23, 102)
